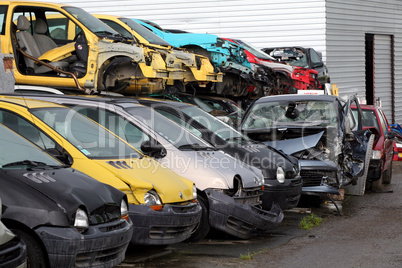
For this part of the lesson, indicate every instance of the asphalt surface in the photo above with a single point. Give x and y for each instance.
(368, 233)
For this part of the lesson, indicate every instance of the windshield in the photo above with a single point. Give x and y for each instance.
(169, 130)
(92, 23)
(16, 149)
(292, 56)
(145, 33)
(303, 113)
(255, 51)
(214, 124)
(86, 135)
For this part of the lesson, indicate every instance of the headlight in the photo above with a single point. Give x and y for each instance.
(280, 174)
(81, 220)
(194, 192)
(376, 154)
(124, 210)
(152, 199)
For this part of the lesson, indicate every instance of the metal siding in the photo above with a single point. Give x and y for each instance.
(260, 22)
(347, 23)
(383, 73)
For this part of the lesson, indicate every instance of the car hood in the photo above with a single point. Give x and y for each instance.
(291, 146)
(144, 174)
(61, 191)
(264, 158)
(211, 169)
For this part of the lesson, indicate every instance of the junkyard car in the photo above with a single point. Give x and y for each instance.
(282, 183)
(13, 252)
(380, 169)
(320, 130)
(230, 58)
(65, 218)
(289, 78)
(302, 57)
(228, 191)
(162, 204)
(182, 66)
(64, 46)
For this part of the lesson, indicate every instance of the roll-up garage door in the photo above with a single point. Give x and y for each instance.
(383, 73)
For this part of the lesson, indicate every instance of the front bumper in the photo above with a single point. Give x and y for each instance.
(172, 224)
(13, 254)
(286, 195)
(100, 246)
(375, 169)
(240, 220)
(317, 173)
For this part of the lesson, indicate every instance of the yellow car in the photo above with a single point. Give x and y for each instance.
(64, 46)
(162, 204)
(191, 67)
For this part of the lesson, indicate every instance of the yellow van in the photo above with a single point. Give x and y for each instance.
(64, 46)
(162, 204)
(193, 68)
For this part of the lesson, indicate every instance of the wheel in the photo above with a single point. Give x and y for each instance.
(203, 227)
(36, 256)
(387, 176)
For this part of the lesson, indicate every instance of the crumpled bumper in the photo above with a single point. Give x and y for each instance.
(240, 220)
(286, 195)
(172, 224)
(100, 246)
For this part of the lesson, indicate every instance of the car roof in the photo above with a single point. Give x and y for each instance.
(166, 102)
(297, 97)
(27, 102)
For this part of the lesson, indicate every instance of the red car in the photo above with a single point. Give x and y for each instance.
(380, 169)
(293, 77)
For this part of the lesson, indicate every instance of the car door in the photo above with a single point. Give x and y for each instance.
(357, 148)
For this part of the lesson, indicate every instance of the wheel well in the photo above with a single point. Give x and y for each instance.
(12, 224)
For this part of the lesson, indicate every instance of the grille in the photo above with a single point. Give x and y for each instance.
(12, 250)
(314, 177)
(169, 232)
(113, 227)
(98, 258)
(184, 208)
(39, 177)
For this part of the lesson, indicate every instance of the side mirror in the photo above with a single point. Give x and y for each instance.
(390, 135)
(153, 149)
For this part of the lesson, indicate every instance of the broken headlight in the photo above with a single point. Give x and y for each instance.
(81, 221)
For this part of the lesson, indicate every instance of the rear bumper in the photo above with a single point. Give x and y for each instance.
(286, 195)
(240, 220)
(100, 246)
(13, 254)
(172, 224)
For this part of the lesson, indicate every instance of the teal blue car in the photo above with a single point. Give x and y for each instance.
(241, 76)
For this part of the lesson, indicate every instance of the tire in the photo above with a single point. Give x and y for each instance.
(387, 176)
(36, 256)
(203, 227)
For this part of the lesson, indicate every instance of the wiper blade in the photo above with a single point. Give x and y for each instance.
(26, 163)
(196, 147)
(104, 33)
(239, 138)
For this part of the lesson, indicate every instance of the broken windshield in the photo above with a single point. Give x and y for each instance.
(303, 113)
(145, 33)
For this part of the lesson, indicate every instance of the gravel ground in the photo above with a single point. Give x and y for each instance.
(367, 234)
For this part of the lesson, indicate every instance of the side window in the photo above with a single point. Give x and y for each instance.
(3, 15)
(383, 122)
(115, 26)
(315, 58)
(135, 136)
(61, 27)
(26, 129)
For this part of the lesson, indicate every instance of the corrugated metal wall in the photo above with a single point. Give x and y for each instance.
(347, 24)
(263, 23)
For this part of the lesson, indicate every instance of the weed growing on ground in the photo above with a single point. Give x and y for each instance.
(310, 221)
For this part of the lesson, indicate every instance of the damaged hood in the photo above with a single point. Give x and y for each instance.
(291, 146)
(60, 192)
